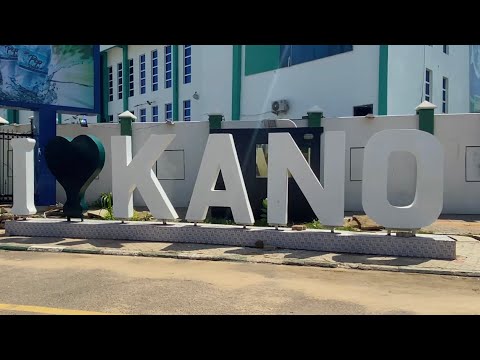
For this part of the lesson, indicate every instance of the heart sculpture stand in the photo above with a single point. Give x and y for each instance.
(75, 164)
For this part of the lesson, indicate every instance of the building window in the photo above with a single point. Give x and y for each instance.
(154, 70)
(262, 159)
(428, 85)
(143, 115)
(298, 54)
(155, 113)
(445, 49)
(120, 80)
(445, 95)
(363, 110)
(187, 106)
(187, 64)
(168, 111)
(143, 75)
(110, 118)
(110, 83)
(131, 82)
(168, 66)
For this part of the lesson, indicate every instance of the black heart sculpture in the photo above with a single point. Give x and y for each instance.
(75, 163)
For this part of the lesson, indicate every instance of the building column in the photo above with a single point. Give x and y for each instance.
(383, 81)
(175, 82)
(103, 116)
(45, 183)
(236, 81)
(13, 116)
(126, 77)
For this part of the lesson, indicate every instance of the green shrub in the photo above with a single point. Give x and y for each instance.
(106, 202)
(263, 215)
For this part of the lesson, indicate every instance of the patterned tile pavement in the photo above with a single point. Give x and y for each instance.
(467, 262)
(422, 246)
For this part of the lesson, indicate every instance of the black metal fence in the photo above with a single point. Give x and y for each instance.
(6, 166)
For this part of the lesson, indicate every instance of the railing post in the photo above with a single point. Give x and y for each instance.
(125, 119)
(426, 116)
(215, 120)
(315, 115)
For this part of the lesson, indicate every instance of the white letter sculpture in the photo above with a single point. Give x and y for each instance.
(327, 202)
(128, 174)
(428, 202)
(23, 177)
(220, 155)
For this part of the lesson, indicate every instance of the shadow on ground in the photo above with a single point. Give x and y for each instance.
(116, 244)
(192, 247)
(186, 247)
(378, 260)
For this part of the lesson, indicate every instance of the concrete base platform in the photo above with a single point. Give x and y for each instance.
(423, 246)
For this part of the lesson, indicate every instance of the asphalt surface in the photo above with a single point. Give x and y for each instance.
(56, 283)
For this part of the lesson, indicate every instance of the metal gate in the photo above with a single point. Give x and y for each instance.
(6, 166)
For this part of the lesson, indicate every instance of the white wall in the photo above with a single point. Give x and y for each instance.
(176, 178)
(115, 107)
(358, 131)
(455, 132)
(462, 189)
(66, 118)
(406, 77)
(459, 134)
(105, 47)
(191, 138)
(159, 97)
(216, 84)
(19, 129)
(186, 91)
(23, 115)
(211, 79)
(336, 84)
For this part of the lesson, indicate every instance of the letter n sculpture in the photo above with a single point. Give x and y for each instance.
(75, 164)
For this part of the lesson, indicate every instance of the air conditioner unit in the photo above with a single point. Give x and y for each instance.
(280, 106)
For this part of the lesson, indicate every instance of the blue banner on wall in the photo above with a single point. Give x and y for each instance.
(60, 77)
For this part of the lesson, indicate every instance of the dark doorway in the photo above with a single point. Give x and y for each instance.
(252, 151)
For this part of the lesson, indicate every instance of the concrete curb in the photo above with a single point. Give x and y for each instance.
(238, 258)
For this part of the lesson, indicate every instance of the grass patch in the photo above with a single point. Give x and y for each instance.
(141, 216)
(427, 232)
(218, 221)
(317, 225)
(346, 228)
(105, 202)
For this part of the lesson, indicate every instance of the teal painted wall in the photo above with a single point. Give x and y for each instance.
(236, 81)
(383, 81)
(261, 58)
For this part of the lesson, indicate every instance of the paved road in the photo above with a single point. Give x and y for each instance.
(49, 283)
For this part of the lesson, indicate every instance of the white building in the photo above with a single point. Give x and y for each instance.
(183, 82)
